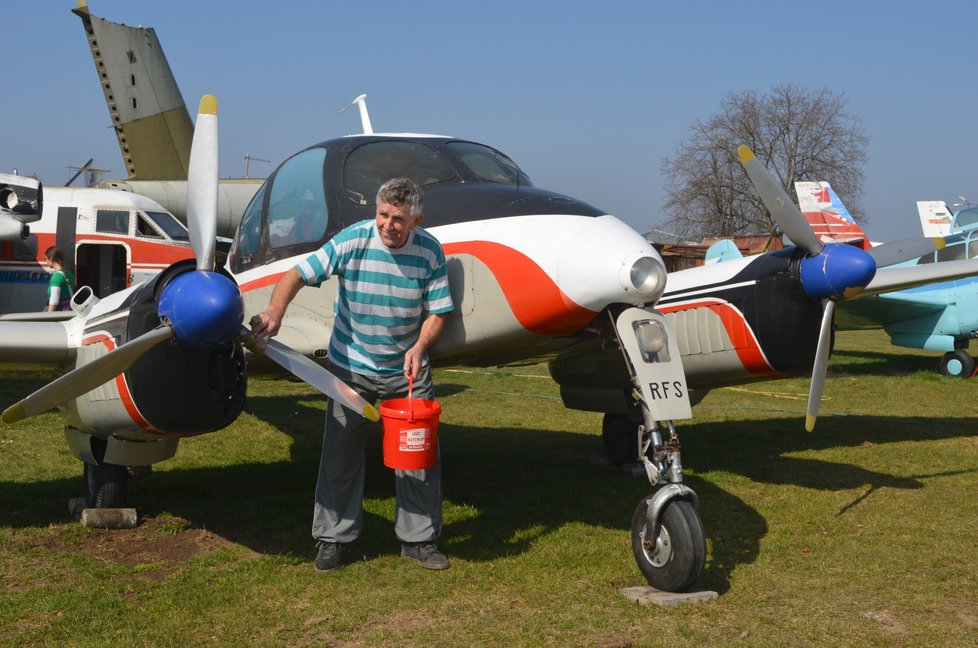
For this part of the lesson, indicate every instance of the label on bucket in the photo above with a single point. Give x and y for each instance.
(416, 440)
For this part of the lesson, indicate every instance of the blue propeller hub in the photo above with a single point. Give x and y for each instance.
(204, 308)
(837, 269)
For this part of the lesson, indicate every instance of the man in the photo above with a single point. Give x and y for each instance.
(391, 306)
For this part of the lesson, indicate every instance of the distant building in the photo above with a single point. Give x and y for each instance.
(679, 254)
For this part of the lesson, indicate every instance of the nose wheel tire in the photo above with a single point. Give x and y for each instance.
(674, 560)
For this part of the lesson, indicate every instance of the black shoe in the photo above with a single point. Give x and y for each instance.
(426, 553)
(329, 557)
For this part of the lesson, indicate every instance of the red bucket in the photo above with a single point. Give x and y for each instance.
(410, 433)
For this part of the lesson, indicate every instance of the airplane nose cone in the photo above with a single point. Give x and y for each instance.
(204, 308)
(606, 261)
(838, 269)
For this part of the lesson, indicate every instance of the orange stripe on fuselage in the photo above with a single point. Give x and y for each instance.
(539, 305)
(120, 381)
(262, 282)
(740, 334)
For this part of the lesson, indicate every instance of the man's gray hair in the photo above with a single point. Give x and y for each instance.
(400, 192)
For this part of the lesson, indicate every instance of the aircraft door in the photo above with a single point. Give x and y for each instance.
(104, 267)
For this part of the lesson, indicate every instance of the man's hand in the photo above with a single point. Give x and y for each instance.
(412, 361)
(265, 324)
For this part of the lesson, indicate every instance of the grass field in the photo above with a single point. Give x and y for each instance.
(862, 533)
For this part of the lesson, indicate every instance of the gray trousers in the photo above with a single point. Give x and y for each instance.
(338, 511)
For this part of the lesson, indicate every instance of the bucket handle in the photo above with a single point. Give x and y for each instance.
(410, 398)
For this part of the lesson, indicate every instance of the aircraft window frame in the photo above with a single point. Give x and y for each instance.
(167, 223)
(373, 163)
(297, 212)
(965, 219)
(488, 164)
(146, 229)
(246, 243)
(109, 221)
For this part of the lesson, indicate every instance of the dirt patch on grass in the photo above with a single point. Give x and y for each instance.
(167, 540)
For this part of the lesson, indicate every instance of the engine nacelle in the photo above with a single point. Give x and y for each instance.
(22, 196)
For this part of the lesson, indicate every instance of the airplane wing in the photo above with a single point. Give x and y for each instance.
(880, 310)
(34, 346)
(885, 300)
(899, 277)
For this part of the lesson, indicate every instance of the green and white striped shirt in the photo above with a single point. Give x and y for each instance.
(384, 295)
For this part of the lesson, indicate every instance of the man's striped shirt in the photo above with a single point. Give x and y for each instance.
(384, 294)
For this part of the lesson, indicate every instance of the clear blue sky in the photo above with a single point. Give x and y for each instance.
(587, 97)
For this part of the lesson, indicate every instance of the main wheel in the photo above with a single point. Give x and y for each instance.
(958, 363)
(674, 560)
(619, 433)
(106, 485)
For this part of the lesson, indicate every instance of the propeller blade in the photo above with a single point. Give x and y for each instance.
(86, 377)
(310, 372)
(785, 212)
(202, 185)
(893, 252)
(821, 365)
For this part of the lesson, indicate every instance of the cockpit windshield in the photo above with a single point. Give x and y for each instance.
(489, 165)
(966, 219)
(169, 224)
(373, 164)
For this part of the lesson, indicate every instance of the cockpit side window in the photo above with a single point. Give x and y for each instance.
(145, 229)
(296, 205)
(489, 165)
(112, 221)
(373, 164)
(249, 230)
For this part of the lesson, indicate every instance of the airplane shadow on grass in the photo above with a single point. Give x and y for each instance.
(504, 487)
(855, 362)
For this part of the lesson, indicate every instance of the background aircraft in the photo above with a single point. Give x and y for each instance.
(935, 217)
(151, 121)
(940, 316)
(111, 240)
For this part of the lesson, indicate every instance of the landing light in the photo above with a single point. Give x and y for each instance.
(653, 341)
(646, 276)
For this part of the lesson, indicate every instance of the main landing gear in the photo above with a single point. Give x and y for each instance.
(668, 538)
(106, 484)
(958, 363)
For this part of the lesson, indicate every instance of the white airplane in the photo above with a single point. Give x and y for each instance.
(111, 239)
(527, 280)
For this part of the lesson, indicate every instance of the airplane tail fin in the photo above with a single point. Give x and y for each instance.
(147, 110)
(828, 217)
(722, 250)
(935, 217)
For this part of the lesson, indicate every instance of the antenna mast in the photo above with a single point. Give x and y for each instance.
(361, 103)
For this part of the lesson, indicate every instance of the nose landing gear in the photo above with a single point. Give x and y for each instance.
(668, 538)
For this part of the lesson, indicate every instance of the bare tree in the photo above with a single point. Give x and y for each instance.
(798, 134)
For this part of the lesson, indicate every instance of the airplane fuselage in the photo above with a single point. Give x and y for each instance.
(112, 240)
